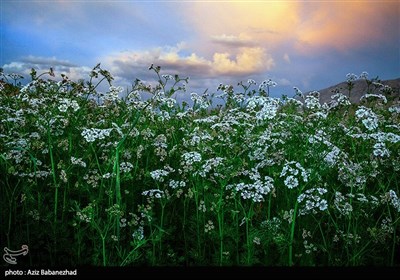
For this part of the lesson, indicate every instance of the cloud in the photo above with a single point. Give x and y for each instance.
(283, 82)
(304, 27)
(248, 61)
(347, 25)
(173, 60)
(264, 24)
(286, 58)
(46, 61)
(43, 64)
(232, 41)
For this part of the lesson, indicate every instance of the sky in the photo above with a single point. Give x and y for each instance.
(307, 44)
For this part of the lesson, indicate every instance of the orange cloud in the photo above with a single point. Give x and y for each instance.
(246, 61)
(255, 22)
(343, 25)
(308, 26)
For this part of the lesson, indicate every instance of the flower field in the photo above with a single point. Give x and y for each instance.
(92, 178)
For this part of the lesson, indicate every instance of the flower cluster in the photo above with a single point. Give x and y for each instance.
(209, 165)
(342, 205)
(138, 234)
(368, 118)
(332, 157)
(266, 84)
(256, 190)
(268, 107)
(160, 144)
(339, 99)
(113, 94)
(373, 96)
(380, 150)
(312, 201)
(312, 101)
(209, 226)
(66, 103)
(156, 193)
(125, 167)
(176, 184)
(92, 134)
(294, 172)
(199, 100)
(87, 213)
(188, 159)
(160, 174)
(394, 109)
(78, 161)
(393, 199)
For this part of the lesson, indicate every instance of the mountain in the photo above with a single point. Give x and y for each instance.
(359, 89)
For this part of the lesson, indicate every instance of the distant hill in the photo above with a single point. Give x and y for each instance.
(359, 89)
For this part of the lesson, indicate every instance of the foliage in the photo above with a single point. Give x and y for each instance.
(104, 179)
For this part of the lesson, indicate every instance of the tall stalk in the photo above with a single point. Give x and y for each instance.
(53, 171)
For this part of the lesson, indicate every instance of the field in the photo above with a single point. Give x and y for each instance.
(90, 178)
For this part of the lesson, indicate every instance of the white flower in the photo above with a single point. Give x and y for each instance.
(370, 123)
(167, 77)
(202, 206)
(154, 193)
(91, 134)
(176, 184)
(188, 159)
(257, 240)
(112, 94)
(364, 75)
(291, 182)
(340, 99)
(292, 179)
(313, 201)
(332, 157)
(251, 82)
(378, 96)
(209, 226)
(65, 103)
(159, 174)
(394, 109)
(126, 167)
(266, 84)
(312, 102)
(368, 118)
(255, 191)
(78, 161)
(395, 201)
(323, 205)
(380, 150)
(138, 234)
(63, 108)
(350, 77)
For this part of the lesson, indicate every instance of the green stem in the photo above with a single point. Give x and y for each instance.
(103, 243)
(292, 234)
(184, 227)
(197, 221)
(221, 232)
(161, 225)
(269, 207)
(130, 253)
(153, 245)
(97, 160)
(247, 216)
(236, 219)
(117, 185)
(53, 171)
